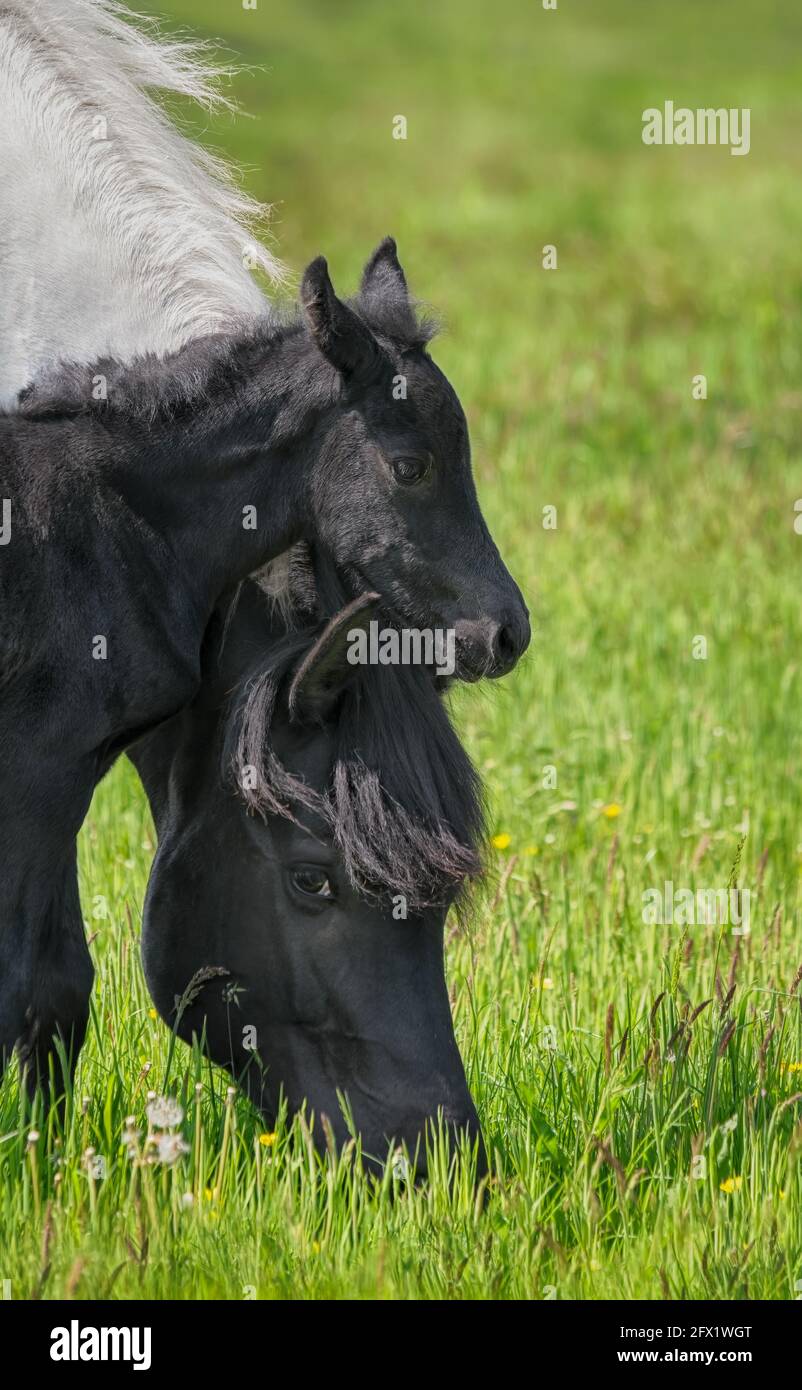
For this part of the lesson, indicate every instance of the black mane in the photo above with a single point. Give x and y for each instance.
(154, 388)
(404, 802)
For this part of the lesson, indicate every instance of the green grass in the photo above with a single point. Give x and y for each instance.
(675, 520)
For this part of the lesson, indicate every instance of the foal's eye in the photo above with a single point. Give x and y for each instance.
(407, 471)
(313, 882)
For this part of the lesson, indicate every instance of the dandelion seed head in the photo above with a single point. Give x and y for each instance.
(170, 1147)
(164, 1112)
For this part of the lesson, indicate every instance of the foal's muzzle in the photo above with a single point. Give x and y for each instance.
(490, 647)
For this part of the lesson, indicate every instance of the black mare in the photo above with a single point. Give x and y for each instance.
(315, 821)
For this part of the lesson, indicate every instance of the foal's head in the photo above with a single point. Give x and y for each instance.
(394, 501)
(345, 432)
(317, 871)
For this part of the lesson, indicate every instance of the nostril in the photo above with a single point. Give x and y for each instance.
(489, 647)
(505, 647)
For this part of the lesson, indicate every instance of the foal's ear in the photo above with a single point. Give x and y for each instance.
(383, 277)
(326, 670)
(342, 337)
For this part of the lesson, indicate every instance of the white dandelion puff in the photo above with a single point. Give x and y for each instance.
(164, 1112)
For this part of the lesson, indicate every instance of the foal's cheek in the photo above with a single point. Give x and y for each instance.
(360, 524)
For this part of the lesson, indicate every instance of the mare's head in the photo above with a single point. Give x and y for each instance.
(316, 819)
(393, 500)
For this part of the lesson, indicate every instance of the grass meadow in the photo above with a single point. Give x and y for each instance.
(639, 1085)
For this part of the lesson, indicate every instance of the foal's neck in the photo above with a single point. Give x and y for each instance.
(226, 479)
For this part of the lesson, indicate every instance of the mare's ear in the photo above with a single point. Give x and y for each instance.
(340, 334)
(326, 670)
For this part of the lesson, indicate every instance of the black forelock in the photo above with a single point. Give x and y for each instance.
(400, 321)
(403, 801)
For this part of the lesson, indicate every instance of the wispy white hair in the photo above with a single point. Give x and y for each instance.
(118, 235)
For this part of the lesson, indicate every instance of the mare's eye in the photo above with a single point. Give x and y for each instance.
(314, 883)
(407, 471)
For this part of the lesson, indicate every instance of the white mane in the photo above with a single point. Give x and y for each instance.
(117, 234)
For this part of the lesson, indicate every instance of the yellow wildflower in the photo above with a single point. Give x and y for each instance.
(730, 1185)
(502, 841)
(268, 1140)
(611, 810)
